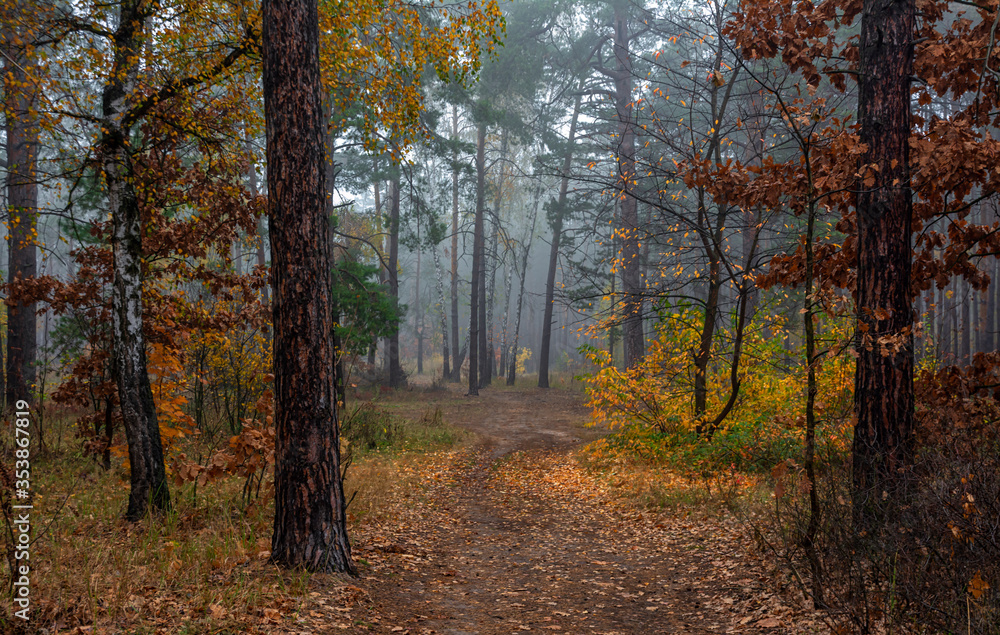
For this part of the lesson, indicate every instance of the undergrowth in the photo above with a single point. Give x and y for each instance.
(202, 566)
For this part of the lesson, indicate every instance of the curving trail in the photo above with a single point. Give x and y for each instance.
(513, 536)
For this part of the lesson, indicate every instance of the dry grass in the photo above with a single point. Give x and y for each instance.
(200, 568)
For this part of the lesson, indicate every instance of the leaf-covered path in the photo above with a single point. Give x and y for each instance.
(512, 535)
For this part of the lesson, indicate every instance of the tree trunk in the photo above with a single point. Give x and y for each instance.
(475, 297)
(704, 352)
(883, 395)
(309, 515)
(631, 261)
(457, 366)
(479, 281)
(262, 221)
(418, 317)
(965, 297)
(490, 366)
(396, 378)
(147, 472)
(22, 204)
(446, 371)
(991, 306)
(556, 218)
(512, 355)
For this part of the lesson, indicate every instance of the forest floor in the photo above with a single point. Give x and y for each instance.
(511, 533)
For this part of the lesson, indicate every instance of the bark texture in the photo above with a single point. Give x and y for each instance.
(147, 472)
(309, 514)
(883, 398)
(22, 205)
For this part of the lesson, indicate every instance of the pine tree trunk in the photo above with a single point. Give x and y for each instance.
(476, 296)
(446, 371)
(883, 395)
(512, 356)
(556, 221)
(22, 203)
(309, 515)
(630, 259)
(396, 378)
(965, 297)
(991, 306)
(457, 366)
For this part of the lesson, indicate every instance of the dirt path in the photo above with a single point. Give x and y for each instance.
(513, 536)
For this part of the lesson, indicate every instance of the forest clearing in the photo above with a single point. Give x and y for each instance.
(490, 316)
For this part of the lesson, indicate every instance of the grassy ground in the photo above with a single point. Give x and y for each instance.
(203, 566)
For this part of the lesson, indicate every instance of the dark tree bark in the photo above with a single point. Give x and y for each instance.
(309, 514)
(476, 296)
(147, 471)
(633, 338)
(22, 205)
(883, 396)
(556, 221)
(396, 377)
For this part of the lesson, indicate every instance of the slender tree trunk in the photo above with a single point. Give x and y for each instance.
(457, 366)
(262, 221)
(556, 218)
(991, 306)
(883, 395)
(965, 297)
(310, 514)
(475, 297)
(418, 317)
(631, 261)
(446, 371)
(22, 204)
(481, 341)
(148, 475)
(704, 353)
(380, 241)
(512, 356)
(396, 378)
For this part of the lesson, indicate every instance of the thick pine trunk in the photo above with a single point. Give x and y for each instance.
(475, 295)
(630, 259)
(480, 281)
(22, 204)
(309, 515)
(556, 221)
(147, 472)
(883, 396)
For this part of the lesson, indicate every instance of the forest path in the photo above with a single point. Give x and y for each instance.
(512, 535)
